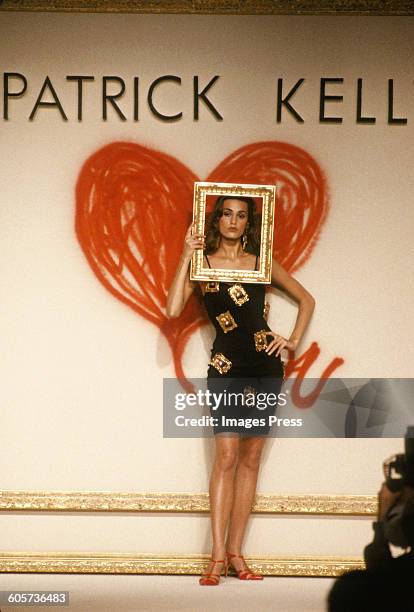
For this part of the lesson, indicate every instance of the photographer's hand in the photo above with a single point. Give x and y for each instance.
(377, 554)
(386, 499)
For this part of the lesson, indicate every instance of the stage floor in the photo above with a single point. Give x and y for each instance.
(127, 593)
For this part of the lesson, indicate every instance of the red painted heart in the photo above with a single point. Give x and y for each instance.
(134, 204)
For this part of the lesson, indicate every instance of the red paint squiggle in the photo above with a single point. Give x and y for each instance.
(301, 366)
(301, 194)
(134, 204)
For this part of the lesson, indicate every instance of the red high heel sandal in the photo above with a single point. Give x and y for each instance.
(244, 574)
(212, 579)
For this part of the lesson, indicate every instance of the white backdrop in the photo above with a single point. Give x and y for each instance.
(75, 412)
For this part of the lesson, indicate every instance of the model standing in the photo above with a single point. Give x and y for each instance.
(245, 349)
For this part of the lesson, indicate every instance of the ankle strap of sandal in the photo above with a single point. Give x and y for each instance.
(233, 555)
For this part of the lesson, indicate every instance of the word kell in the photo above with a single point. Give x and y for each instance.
(284, 102)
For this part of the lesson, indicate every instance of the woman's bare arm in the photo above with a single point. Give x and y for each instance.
(281, 279)
(182, 287)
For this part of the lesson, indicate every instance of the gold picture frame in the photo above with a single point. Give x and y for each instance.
(202, 189)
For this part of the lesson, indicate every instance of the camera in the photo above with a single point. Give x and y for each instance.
(399, 469)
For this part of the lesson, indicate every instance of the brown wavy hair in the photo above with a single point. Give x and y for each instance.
(253, 229)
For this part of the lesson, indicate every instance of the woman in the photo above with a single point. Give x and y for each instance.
(244, 346)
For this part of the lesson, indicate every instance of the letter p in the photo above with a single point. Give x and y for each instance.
(7, 94)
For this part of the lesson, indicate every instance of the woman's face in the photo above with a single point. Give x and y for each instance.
(233, 221)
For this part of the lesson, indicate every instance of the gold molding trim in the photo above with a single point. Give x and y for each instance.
(109, 501)
(221, 7)
(126, 563)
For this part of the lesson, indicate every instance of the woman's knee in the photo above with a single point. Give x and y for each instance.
(226, 459)
(227, 450)
(250, 454)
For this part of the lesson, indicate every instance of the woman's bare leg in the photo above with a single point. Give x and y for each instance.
(244, 493)
(221, 491)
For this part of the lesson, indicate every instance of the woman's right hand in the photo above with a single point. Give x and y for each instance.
(192, 242)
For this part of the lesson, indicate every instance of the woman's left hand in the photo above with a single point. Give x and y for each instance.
(279, 343)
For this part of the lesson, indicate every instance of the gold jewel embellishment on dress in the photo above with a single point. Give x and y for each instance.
(221, 363)
(266, 310)
(212, 287)
(238, 294)
(227, 323)
(260, 340)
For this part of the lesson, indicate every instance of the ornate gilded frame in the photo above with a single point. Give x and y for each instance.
(182, 503)
(128, 563)
(89, 562)
(199, 272)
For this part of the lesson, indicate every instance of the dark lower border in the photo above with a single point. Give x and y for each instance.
(221, 7)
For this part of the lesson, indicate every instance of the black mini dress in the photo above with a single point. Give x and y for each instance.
(239, 364)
